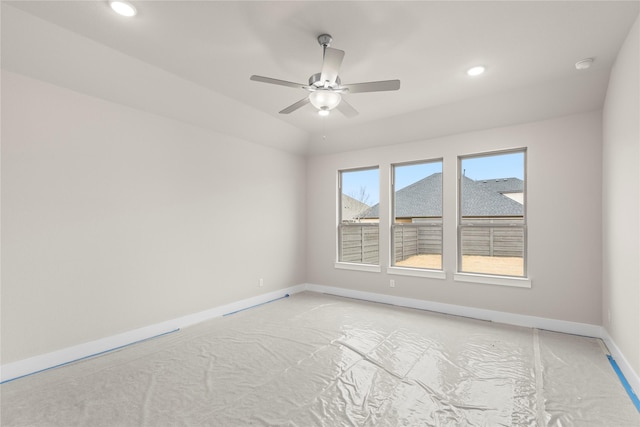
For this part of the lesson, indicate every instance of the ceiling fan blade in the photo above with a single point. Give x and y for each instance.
(276, 82)
(293, 107)
(347, 109)
(331, 65)
(373, 86)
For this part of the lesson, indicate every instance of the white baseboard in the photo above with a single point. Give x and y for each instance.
(564, 326)
(629, 373)
(64, 356)
(21, 368)
(583, 329)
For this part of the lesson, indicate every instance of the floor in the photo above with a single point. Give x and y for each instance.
(318, 360)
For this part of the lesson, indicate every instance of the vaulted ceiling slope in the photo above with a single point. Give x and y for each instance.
(191, 60)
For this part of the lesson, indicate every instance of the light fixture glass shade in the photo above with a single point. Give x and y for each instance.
(584, 64)
(475, 71)
(325, 99)
(123, 8)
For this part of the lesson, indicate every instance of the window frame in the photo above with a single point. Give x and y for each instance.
(410, 270)
(485, 278)
(347, 265)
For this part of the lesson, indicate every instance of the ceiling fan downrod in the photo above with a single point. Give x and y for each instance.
(324, 40)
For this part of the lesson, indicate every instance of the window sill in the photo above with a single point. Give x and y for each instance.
(518, 282)
(417, 272)
(358, 267)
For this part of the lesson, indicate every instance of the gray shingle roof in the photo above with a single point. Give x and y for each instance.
(502, 185)
(484, 198)
(352, 208)
(480, 198)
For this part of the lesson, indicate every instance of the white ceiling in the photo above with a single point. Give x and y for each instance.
(208, 49)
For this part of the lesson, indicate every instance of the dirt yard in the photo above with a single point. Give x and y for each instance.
(511, 266)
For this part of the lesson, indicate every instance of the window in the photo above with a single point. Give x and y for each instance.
(416, 229)
(358, 231)
(492, 237)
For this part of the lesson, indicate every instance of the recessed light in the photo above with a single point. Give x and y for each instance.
(584, 63)
(475, 71)
(123, 8)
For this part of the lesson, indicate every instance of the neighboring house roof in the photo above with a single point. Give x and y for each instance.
(502, 185)
(481, 198)
(420, 199)
(352, 208)
(485, 198)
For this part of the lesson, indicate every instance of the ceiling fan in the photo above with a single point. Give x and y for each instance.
(326, 89)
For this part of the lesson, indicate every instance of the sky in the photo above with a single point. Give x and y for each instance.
(509, 165)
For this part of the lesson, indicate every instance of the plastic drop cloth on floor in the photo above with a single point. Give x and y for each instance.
(318, 360)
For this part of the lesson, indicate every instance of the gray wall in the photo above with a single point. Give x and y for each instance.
(564, 219)
(621, 201)
(115, 219)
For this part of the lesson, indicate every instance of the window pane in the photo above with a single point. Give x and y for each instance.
(417, 221)
(358, 233)
(493, 250)
(492, 236)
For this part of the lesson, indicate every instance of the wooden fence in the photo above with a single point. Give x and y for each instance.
(493, 241)
(478, 237)
(359, 241)
(416, 239)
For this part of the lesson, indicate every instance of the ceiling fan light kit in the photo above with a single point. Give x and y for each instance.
(326, 88)
(325, 99)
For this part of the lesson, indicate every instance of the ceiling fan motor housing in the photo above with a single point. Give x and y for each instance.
(316, 82)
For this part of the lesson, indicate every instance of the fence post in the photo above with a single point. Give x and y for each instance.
(361, 243)
(491, 241)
